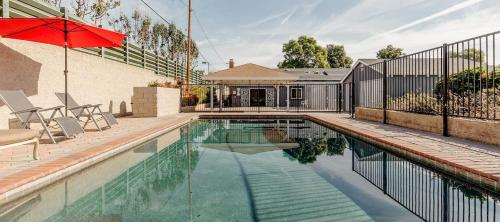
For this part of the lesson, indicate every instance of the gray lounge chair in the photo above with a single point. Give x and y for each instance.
(27, 113)
(88, 111)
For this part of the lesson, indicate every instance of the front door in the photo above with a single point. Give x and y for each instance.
(257, 97)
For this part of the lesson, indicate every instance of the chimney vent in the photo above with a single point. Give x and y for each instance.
(231, 63)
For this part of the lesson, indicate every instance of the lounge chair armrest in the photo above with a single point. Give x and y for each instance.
(94, 105)
(33, 109)
(79, 107)
(52, 108)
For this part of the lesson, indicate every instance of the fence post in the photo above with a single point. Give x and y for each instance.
(339, 97)
(221, 100)
(175, 73)
(384, 91)
(444, 106)
(126, 51)
(157, 63)
(445, 197)
(352, 97)
(5, 9)
(384, 173)
(143, 57)
(212, 97)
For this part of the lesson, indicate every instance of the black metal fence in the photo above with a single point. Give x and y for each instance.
(429, 195)
(460, 79)
(264, 98)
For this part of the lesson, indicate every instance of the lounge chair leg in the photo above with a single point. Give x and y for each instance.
(91, 116)
(45, 128)
(35, 149)
(105, 120)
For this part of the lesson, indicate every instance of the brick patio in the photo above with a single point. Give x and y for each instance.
(17, 167)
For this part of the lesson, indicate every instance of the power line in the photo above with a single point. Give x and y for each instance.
(205, 33)
(154, 11)
(170, 23)
(208, 39)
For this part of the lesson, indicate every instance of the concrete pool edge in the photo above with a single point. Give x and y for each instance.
(29, 180)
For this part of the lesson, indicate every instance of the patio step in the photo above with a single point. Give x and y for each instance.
(283, 190)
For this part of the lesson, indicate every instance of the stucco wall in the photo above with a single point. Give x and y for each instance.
(155, 101)
(472, 129)
(38, 70)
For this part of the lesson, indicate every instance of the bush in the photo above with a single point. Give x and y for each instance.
(190, 100)
(420, 102)
(166, 84)
(469, 82)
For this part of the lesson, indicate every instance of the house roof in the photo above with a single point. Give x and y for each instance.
(318, 74)
(249, 72)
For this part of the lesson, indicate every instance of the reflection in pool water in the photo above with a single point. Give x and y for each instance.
(255, 170)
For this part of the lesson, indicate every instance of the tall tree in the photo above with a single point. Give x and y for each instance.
(471, 54)
(337, 57)
(390, 52)
(100, 9)
(81, 8)
(303, 53)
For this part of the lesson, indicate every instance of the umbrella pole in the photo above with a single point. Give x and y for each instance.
(65, 68)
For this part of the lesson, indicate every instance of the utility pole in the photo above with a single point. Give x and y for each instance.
(188, 66)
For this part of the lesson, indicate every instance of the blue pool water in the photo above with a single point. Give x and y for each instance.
(256, 170)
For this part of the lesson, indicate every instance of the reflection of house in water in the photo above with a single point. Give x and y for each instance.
(265, 131)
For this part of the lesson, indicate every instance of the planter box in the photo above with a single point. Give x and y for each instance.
(155, 101)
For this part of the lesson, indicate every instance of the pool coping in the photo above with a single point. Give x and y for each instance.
(32, 179)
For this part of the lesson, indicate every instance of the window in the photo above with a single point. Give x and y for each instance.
(296, 93)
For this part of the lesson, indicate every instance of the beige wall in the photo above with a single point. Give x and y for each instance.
(38, 70)
(478, 130)
(155, 101)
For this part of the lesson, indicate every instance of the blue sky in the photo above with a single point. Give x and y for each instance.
(255, 30)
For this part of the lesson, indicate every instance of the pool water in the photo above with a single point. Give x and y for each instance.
(256, 170)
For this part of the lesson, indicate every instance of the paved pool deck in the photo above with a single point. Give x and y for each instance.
(20, 174)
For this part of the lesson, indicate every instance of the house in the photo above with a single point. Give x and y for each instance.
(252, 85)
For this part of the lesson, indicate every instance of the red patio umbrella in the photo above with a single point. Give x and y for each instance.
(60, 32)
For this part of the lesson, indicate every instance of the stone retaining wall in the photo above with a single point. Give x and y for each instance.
(472, 129)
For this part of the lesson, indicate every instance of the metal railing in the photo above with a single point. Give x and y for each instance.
(264, 98)
(130, 53)
(460, 79)
(426, 193)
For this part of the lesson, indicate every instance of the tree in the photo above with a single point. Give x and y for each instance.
(303, 53)
(337, 57)
(100, 9)
(81, 8)
(472, 54)
(390, 52)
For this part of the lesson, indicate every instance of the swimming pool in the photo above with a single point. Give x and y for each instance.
(256, 170)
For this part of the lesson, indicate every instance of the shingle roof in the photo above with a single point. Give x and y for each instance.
(318, 74)
(249, 72)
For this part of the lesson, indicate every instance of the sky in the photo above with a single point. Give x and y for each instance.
(253, 31)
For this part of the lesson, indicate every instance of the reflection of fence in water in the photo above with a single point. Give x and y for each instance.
(427, 194)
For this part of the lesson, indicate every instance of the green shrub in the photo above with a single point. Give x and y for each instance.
(415, 102)
(469, 82)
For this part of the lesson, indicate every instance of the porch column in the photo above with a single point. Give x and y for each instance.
(212, 96)
(287, 97)
(277, 97)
